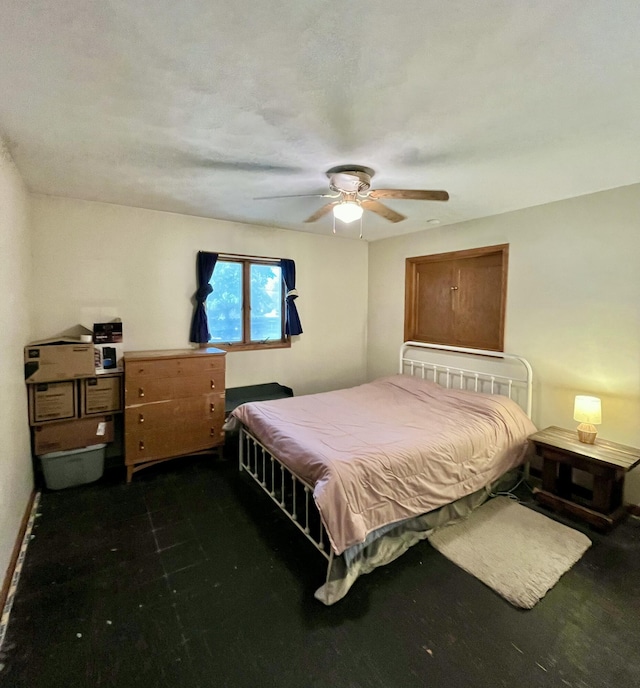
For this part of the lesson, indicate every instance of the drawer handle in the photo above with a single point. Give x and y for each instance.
(141, 445)
(212, 408)
(213, 384)
(140, 370)
(140, 391)
(212, 432)
(140, 418)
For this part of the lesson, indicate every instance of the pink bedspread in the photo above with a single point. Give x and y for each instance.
(390, 449)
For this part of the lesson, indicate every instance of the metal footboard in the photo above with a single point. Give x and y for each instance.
(290, 493)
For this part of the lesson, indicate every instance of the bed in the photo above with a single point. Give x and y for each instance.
(367, 472)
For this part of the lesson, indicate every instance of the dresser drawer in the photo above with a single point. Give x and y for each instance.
(210, 382)
(143, 391)
(164, 414)
(174, 367)
(181, 440)
(200, 365)
(147, 390)
(150, 369)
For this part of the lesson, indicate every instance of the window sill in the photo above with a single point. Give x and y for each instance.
(253, 346)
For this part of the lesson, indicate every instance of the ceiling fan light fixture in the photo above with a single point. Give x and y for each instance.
(347, 211)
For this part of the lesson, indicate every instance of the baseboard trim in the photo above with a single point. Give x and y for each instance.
(15, 563)
(634, 509)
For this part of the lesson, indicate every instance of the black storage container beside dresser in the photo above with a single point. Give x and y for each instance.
(265, 392)
(241, 395)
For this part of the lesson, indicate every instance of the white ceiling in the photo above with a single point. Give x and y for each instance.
(199, 106)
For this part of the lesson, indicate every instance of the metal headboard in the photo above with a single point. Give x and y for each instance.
(490, 372)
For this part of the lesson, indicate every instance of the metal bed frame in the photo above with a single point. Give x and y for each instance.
(294, 496)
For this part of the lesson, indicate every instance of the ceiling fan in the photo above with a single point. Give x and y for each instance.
(352, 194)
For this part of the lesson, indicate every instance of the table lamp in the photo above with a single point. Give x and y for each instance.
(588, 412)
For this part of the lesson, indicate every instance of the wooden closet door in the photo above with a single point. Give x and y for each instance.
(477, 304)
(457, 298)
(434, 307)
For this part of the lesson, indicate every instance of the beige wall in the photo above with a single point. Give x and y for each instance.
(16, 478)
(573, 297)
(140, 265)
(573, 303)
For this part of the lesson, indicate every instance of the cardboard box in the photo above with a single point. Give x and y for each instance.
(107, 333)
(72, 434)
(109, 347)
(100, 395)
(54, 361)
(109, 359)
(52, 401)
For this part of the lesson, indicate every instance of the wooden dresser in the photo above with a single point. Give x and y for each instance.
(174, 404)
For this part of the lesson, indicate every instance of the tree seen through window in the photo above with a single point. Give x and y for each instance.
(231, 320)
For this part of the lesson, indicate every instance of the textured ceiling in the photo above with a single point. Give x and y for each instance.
(198, 106)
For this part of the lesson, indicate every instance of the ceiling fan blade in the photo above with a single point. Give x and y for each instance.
(265, 198)
(383, 210)
(321, 212)
(410, 194)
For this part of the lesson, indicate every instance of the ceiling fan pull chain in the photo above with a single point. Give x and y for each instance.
(334, 223)
(360, 226)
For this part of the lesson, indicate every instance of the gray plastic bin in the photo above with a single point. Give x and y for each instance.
(75, 467)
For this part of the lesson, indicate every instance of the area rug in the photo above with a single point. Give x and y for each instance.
(518, 552)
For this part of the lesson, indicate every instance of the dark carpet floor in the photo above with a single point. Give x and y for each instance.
(191, 577)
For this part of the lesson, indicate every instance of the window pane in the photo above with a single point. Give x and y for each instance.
(266, 303)
(224, 304)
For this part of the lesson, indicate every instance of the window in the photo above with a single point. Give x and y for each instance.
(458, 298)
(246, 307)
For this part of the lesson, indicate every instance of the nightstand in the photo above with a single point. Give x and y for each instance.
(608, 463)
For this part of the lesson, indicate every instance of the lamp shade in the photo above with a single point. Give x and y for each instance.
(587, 410)
(347, 211)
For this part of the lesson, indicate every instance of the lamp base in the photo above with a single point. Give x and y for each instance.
(587, 433)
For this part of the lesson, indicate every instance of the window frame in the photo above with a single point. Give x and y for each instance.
(246, 345)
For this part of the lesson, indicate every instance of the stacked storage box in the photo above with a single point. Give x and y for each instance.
(70, 410)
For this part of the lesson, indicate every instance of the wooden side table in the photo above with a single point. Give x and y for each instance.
(608, 463)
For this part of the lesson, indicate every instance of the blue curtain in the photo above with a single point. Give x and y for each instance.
(292, 320)
(205, 263)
